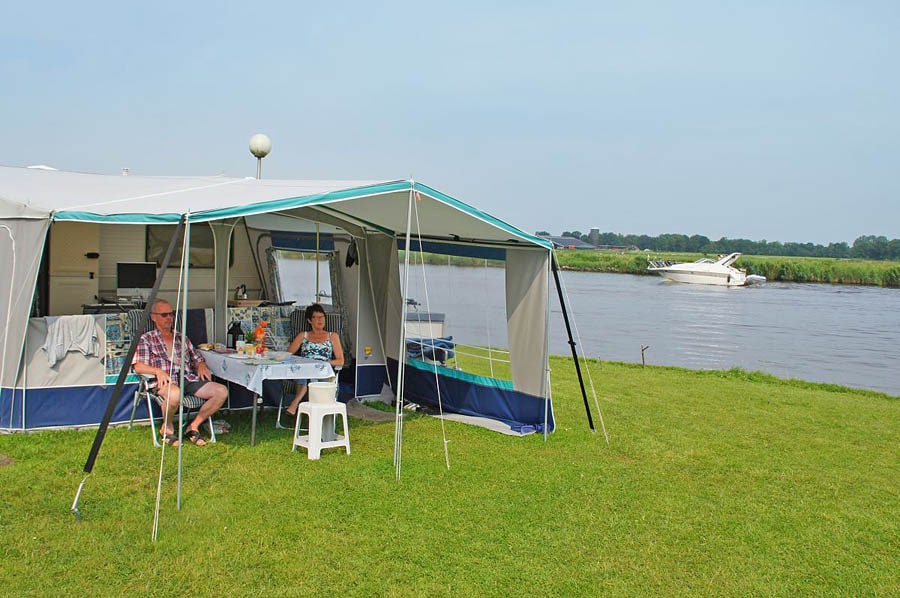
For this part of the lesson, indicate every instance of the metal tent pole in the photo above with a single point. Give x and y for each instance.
(401, 356)
(565, 314)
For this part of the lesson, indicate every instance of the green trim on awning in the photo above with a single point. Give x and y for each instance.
(70, 216)
(129, 379)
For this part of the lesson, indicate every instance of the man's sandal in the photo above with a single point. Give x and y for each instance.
(194, 437)
(170, 439)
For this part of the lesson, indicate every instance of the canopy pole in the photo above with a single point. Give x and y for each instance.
(401, 355)
(437, 384)
(126, 366)
(180, 303)
(3, 354)
(548, 386)
(183, 292)
(317, 263)
(565, 314)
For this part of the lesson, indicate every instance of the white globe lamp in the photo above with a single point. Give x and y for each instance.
(260, 146)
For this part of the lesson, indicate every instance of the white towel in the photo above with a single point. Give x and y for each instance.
(70, 333)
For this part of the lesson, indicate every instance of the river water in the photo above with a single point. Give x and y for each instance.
(839, 334)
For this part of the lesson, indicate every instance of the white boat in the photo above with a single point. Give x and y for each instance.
(706, 271)
(423, 324)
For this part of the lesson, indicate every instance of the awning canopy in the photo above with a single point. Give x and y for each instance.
(373, 205)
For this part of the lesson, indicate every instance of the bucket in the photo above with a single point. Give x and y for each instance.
(322, 392)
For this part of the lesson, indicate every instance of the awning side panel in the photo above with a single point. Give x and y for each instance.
(21, 245)
(527, 286)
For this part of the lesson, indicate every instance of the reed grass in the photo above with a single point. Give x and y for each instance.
(722, 482)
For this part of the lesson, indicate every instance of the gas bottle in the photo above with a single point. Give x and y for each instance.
(260, 335)
(235, 334)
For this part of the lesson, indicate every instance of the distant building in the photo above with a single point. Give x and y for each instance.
(594, 237)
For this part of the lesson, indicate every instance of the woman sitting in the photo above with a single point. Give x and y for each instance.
(317, 343)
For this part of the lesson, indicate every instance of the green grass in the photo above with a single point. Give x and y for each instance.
(726, 483)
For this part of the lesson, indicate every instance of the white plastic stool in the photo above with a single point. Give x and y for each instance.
(322, 426)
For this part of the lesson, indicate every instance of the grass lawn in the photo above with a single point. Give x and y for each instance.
(724, 483)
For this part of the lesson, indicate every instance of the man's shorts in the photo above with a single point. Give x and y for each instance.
(191, 388)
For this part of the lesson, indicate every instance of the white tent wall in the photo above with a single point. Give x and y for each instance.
(384, 267)
(527, 314)
(22, 245)
(362, 324)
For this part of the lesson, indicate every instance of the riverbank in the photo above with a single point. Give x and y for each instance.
(774, 268)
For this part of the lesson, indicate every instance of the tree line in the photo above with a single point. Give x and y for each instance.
(868, 247)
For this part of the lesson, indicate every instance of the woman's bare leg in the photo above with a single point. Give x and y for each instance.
(301, 392)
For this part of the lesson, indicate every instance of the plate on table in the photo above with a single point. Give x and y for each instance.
(239, 356)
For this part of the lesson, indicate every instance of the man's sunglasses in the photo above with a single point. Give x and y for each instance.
(165, 314)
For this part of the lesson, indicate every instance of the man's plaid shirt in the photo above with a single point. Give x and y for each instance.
(151, 350)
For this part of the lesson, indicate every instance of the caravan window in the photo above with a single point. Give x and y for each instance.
(298, 273)
(203, 248)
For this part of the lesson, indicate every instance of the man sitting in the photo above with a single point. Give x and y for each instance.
(159, 354)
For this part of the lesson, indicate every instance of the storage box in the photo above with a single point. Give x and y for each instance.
(322, 392)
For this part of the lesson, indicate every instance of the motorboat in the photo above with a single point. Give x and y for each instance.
(706, 271)
(423, 324)
(426, 334)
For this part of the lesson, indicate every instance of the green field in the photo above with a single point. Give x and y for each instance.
(726, 483)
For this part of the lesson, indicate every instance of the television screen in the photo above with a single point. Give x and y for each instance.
(135, 275)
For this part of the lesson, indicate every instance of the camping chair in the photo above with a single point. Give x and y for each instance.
(298, 325)
(144, 392)
(190, 403)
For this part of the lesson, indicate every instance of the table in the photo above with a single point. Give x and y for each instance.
(250, 373)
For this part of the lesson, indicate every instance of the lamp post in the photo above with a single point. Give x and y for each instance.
(260, 146)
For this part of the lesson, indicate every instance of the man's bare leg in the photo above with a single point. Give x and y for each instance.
(171, 397)
(214, 395)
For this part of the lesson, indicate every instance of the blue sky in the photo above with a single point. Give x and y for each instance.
(775, 120)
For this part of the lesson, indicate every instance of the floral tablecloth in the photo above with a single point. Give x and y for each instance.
(250, 373)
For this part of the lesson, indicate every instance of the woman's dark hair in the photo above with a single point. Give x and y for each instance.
(315, 308)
